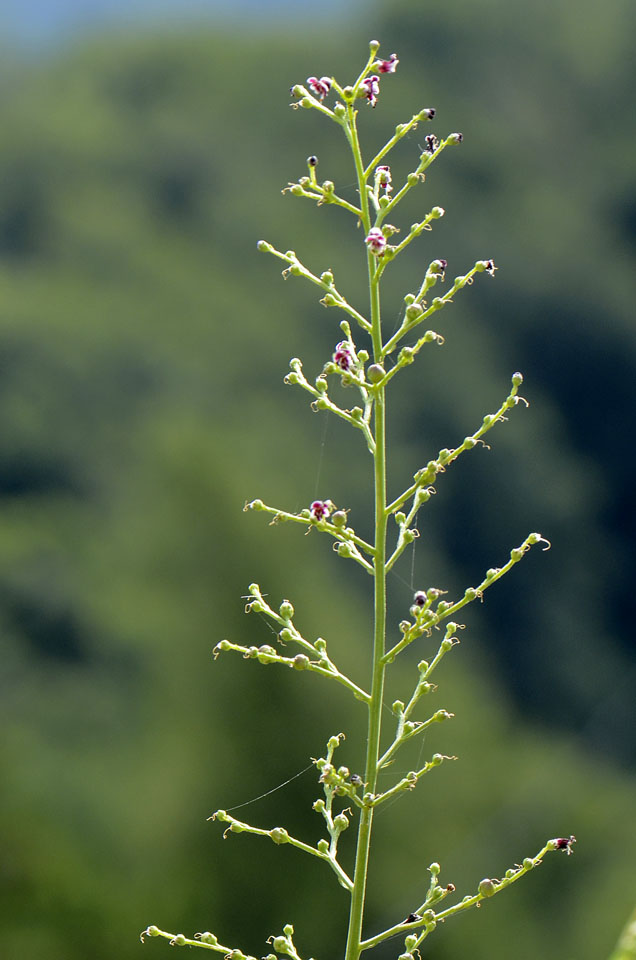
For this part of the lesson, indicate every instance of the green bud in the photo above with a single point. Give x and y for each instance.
(357, 413)
(400, 519)
(343, 549)
(319, 805)
(413, 311)
(339, 111)
(410, 942)
(322, 403)
(339, 518)
(297, 191)
(327, 277)
(436, 759)
(409, 299)
(323, 846)
(406, 956)
(470, 594)
(446, 644)
(528, 863)
(279, 835)
(516, 554)
(256, 505)
(236, 827)
(329, 300)
(437, 212)
(488, 419)
(288, 930)
(423, 666)
(286, 610)
(266, 653)
(492, 573)
(291, 378)
(341, 822)
(280, 944)
(397, 707)
(384, 202)
(517, 379)
(320, 645)
(300, 662)
(434, 869)
(306, 103)
(404, 625)
(375, 373)
(286, 635)
(264, 247)
(179, 940)
(374, 46)
(297, 90)
(224, 645)
(321, 384)
(412, 179)
(152, 931)
(428, 916)
(406, 355)
(328, 186)
(208, 937)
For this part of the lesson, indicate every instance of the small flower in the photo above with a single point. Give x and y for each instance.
(383, 177)
(320, 87)
(490, 267)
(387, 66)
(564, 843)
(312, 161)
(371, 87)
(319, 510)
(455, 137)
(420, 598)
(376, 241)
(343, 356)
(432, 143)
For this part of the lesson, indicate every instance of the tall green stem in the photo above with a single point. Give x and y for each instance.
(356, 914)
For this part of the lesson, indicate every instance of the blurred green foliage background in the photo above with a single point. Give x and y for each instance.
(142, 347)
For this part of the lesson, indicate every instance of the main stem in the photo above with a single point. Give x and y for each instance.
(356, 914)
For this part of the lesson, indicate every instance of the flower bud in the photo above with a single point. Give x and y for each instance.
(340, 110)
(322, 846)
(288, 930)
(413, 311)
(278, 835)
(286, 610)
(375, 373)
(517, 379)
(397, 707)
(427, 113)
(339, 518)
(280, 944)
(178, 941)
(487, 888)
(455, 137)
(152, 931)
(264, 246)
(341, 822)
(437, 212)
(207, 937)
(410, 942)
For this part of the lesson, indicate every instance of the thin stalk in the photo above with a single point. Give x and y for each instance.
(354, 936)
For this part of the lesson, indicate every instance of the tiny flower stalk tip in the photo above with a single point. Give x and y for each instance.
(369, 372)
